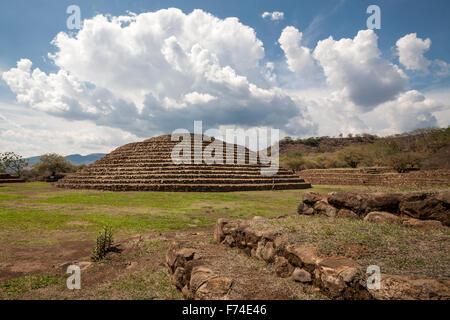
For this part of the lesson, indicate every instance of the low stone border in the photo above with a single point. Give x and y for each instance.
(191, 274)
(338, 277)
(414, 209)
(351, 177)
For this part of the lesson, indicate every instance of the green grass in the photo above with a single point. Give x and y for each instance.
(40, 206)
(143, 285)
(19, 286)
(396, 249)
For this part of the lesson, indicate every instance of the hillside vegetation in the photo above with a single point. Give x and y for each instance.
(419, 149)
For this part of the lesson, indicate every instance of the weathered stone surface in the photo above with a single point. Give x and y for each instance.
(311, 198)
(425, 207)
(322, 207)
(383, 202)
(329, 273)
(354, 201)
(214, 288)
(218, 230)
(177, 256)
(268, 252)
(199, 275)
(349, 274)
(382, 217)
(422, 224)
(394, 287)
(346, 213)
(444, 196)
(303, 256)
(281, 243)
(179, 277)
(282, 267)
(301, 275)
(304, 209)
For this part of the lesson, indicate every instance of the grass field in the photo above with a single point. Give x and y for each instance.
(42, 226)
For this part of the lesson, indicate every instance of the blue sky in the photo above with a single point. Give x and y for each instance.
(27, 29)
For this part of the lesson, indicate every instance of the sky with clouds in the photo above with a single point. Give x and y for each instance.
(137, 69)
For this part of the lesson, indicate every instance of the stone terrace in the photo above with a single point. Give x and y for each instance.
(148, 166)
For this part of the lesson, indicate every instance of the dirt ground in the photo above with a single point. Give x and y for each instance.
(136, 271)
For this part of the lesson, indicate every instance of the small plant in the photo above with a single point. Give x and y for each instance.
(103, 245)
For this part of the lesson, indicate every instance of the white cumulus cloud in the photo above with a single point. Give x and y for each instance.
(356, 67)
(411, 51)
(274, 16)
(298, 57)
(158, 71)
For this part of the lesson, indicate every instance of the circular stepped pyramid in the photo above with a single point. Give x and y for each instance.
(148, 166)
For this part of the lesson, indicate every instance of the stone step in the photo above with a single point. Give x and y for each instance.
(187, 187)
(144, 176)
(12, 180)
(138, 180)
(171, 166)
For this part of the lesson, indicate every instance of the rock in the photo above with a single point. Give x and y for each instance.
(425, 207)
(348, 275)
(394, 287)
(311, 198)
(322, 207)
(346, 213)
(301, 275)
(268, 252)
(332, 284)
(179, 277)
(218, 230)
(186, 292)
(388, 202)
(282, 267)
(444, 196)
(382, 217)
(301, 207)
(199, 275)
(330, 272)
(422, 224)
(351, 200)
(304, 209)
(303, 256)
(214, 288)
(229, 240)
(177, 256)
(280, 243)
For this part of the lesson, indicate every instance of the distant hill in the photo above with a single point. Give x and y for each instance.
(76, 159)
(430, 146)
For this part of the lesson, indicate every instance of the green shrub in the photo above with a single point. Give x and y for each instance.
(296, 164)
(402, 162)
(103, 244)
(313, 142)
(352, 156)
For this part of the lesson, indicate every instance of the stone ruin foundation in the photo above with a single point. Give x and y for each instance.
(148, 166)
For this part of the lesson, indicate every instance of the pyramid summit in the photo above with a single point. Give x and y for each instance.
(156, 165)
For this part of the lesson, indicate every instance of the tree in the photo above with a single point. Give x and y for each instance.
(295, 164)
(10, 161)
(52, 163)
(402, 162)
(352, 156)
